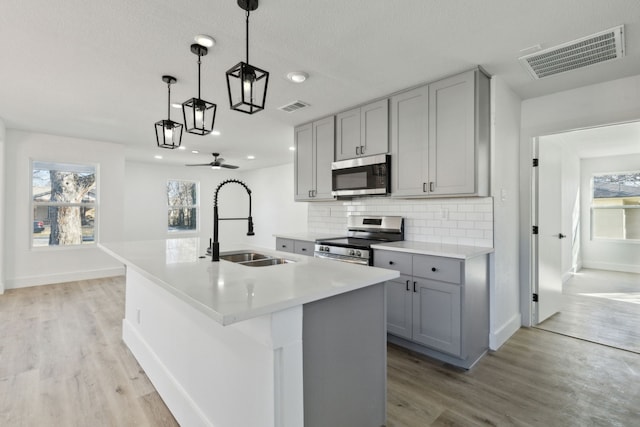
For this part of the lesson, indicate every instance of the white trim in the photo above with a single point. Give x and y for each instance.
(627, 268)
(500, 335)
(48, 279)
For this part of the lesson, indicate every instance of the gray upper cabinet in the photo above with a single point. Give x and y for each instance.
(363, 131)
(314, 143)
(440, 138)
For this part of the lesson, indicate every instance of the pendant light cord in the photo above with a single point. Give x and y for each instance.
(168, 101)
(247, 35)
(199, 75)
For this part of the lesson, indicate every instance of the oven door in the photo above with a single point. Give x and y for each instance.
(341, 258)
(361, 176)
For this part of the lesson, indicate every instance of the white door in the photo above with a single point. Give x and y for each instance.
(549, 217)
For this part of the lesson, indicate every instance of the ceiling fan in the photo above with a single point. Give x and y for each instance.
(217, 163)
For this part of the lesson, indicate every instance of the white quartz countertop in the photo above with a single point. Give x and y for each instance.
(229, 292)
(435, 249)
(308, 236)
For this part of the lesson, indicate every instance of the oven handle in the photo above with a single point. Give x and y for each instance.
(349, 260)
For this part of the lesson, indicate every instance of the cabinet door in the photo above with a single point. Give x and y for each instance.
(436, 315)
(399, 306)
(304, 162)
(348, 134)
(374, 128)
(409, 142)
(452, 135)
(324, 143)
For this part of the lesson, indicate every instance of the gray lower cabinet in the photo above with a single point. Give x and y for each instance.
(301, 247)
(438, 306)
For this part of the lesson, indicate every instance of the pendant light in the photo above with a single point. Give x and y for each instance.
(168, 132)
(247, 85)
(199, 115)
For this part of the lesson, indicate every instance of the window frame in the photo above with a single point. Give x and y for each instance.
(196, 206)
(95, 205)
(593, 207)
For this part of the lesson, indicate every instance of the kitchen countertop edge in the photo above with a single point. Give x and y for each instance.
(435, 249)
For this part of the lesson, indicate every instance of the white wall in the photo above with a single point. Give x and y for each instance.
(2, 203)
(273, 208)
(26, 266)
(504, 291)
(615, 101)
(602, 254)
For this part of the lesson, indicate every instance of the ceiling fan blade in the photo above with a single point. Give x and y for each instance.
(229, 166)
(201, 164)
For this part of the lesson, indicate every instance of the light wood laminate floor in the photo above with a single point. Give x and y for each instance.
(600, 306)
(63, 363)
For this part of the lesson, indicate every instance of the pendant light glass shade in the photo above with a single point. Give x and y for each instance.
(168, 132)
(246, 84)
(199, 115)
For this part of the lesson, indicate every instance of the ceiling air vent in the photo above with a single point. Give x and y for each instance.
(600, 47)
(293, 106)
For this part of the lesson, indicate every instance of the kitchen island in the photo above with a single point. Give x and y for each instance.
(300, 343)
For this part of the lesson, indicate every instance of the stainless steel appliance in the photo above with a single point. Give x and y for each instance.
(362, 176)
(363, 231)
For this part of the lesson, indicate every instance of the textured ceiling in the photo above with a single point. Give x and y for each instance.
(92, 69)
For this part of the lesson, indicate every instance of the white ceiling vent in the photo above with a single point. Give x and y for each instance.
(603, 46)
(294, 106)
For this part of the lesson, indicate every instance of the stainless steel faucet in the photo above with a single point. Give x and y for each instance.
(215, 249)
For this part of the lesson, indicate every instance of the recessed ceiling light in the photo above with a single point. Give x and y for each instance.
(215, 132)
(195, 151)
(292, 148)
(297, 76)
(176, 105)
(157, 156)
(250, 157)
(204, 40)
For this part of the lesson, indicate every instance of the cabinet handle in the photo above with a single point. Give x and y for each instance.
(391, 263)
(357, 151)
(362, 147)
(304, 249)
(407, 285)
(424, 187)
(431, 186)
(433, 269)
(414, 287)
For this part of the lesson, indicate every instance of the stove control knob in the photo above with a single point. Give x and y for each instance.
(358, 253)
(352, 252)
(326, 248)
(321, 248)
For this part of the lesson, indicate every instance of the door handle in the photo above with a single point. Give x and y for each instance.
(561, 236)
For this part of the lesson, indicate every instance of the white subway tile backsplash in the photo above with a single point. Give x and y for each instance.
(464, 221)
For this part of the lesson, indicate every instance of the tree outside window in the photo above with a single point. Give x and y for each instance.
(182, 202)
(63, 204)
(615, 206)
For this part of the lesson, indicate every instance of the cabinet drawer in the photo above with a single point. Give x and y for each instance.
(393, 260)
(285, 245)
(303, 247)
(437, 268)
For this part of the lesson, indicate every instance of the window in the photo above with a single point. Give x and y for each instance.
(615, 206)
(182, 203)
(63, 198)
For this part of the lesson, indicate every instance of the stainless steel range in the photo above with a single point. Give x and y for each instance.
(363, 231)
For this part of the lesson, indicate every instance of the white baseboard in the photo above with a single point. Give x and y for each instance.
(48, 279)
(627, 268)
(504, 332)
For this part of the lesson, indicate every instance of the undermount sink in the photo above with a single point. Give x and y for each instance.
(253, 259)
(242, 256)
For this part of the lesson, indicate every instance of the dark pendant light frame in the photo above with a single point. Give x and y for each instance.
(195, 107)
(168, 132)
(250, 83)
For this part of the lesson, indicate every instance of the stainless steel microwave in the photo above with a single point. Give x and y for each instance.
(361, 176)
